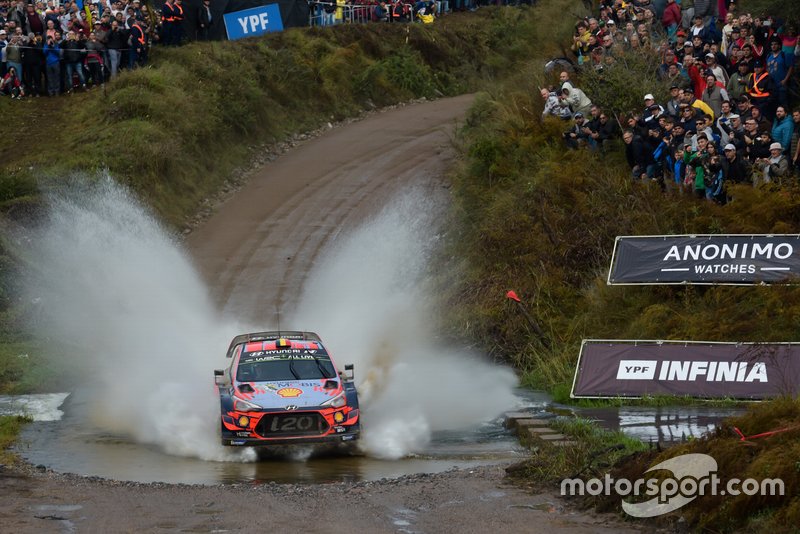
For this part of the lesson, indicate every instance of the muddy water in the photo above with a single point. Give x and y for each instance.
(69, 445)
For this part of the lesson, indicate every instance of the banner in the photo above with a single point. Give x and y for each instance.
(252, 22)
(698, 369)
(293, 13)
(705, 259)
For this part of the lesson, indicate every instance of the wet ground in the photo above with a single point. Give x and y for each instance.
(72, 445)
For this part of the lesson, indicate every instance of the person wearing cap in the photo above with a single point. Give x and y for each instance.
(761, 89)
(734, 168)
(780, 69)
(673, 104)
(783, 128)
(775, 167)
(713, 65)
(578, 135)
(687, 97)
(737, 85)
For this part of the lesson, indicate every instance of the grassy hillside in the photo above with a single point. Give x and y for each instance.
(534, 217)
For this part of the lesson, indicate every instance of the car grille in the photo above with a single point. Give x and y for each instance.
(291, 424)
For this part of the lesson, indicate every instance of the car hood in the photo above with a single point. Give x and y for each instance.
(299, 393)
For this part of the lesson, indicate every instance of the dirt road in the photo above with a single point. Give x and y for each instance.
(263, 241)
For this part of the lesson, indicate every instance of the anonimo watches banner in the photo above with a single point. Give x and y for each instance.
(698, 369)
(705, 259)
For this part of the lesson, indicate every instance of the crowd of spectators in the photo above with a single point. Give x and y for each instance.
(731, 79)
(52, 47)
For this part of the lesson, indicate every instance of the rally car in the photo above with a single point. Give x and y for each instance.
(283, 388)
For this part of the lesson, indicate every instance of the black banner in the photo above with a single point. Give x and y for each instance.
(294, 13)
(705, 259)
(705, 369)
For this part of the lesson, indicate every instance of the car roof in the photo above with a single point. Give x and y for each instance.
(292, 335)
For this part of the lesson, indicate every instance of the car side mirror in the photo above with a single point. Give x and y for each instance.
(348, 374)
(219, 377)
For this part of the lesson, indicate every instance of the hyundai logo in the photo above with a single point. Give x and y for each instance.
(291, 407)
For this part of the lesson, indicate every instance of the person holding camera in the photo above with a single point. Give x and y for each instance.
(11, 84)
(52, 66)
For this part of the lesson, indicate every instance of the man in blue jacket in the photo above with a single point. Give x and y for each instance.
(782, 129)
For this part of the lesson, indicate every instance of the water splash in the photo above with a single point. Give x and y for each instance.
(370, 300)
(121, 300)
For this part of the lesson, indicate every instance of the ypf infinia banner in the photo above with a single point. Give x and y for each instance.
(705, 259)
(697, 369)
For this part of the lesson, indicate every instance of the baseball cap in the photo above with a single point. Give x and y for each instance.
(735, 29)
(681, 33)
(578, 114)
(611, 23)
(758, 63)
(710, 55)
(649, 96)
(776, 146)
(729, 146)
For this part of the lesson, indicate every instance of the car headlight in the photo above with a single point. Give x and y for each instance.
(241, 405)
(337, 402)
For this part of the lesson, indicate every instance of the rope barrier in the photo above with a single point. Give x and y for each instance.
(742, 437)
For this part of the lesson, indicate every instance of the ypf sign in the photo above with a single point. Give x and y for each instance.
(252, 22)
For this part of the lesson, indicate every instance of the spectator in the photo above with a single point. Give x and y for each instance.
(674, 102)
(580, 44)
(714, 95)
(780, 69)
(577, 100)
(671, 19)
(640, 156)
(74, 54)
(11, 84)
(3, 45)
(783, 129)
(94, 59)
(697, 157)
(737, 85)
(761, 88)
(52, 55)
(774, 167)
(137, 40)
(117, 41)
(578, 134)
(205, 20)
(14, 55)
(565, 81)
(734, 168)
(763, 124)
(33, 59)
(711, 65)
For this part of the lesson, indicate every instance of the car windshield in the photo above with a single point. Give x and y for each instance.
(282, 367)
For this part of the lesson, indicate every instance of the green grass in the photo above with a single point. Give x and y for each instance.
(10, 427)
(549, 463)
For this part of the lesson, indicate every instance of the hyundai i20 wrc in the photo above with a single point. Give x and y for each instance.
(283, 388)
